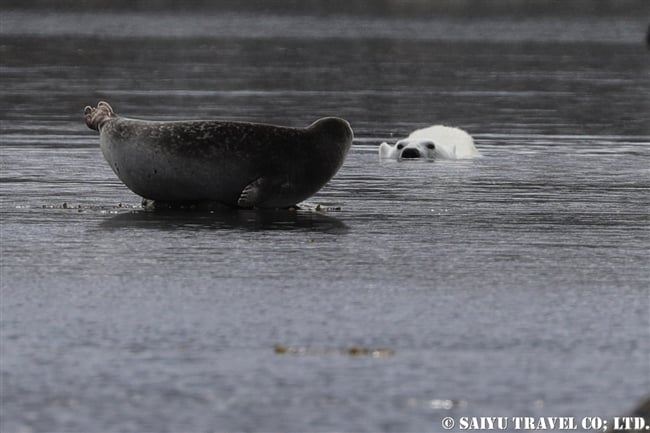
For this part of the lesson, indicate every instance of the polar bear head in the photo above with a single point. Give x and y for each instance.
(409, 149)
(430, 143)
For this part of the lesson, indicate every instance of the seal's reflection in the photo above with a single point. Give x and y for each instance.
(227, 219)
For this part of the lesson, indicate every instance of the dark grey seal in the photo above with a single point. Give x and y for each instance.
(234, 163)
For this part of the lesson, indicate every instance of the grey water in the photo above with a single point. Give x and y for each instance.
(515, 284)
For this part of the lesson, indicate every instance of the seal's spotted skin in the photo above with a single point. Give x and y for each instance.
(235, 163)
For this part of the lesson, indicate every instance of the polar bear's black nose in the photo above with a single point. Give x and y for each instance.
(410, 153)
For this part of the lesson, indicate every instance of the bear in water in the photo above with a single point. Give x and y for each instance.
(430, 143)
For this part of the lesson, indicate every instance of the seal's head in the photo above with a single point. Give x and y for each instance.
(96, 117)
(334, 137)
(333, 129)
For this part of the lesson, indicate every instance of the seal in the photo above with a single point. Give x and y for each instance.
(238, 164)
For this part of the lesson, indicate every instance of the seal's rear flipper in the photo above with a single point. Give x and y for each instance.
(96, 117)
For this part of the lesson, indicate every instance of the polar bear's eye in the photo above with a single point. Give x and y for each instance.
(430, 145)
(400, 146)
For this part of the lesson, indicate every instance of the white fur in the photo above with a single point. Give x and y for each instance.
(448, 143)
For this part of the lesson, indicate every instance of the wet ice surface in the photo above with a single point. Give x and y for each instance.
(515, 284)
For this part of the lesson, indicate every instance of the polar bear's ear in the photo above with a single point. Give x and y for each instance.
(386, 150)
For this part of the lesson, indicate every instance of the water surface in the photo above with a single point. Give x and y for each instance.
(515, 284)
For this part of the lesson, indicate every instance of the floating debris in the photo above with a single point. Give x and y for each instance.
(319, 207)
(436, 403)
(352, 351)
(329, 208)
(201, 206)
(65, 205)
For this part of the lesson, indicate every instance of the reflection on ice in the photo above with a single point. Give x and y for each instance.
(227, 219)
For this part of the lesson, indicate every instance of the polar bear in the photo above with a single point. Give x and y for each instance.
(436, 141)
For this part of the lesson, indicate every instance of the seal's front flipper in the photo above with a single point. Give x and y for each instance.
(251, 194)
(266, 191)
